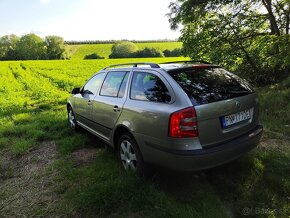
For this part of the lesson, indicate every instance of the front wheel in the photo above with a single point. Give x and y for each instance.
(72, 119)
(129, 154)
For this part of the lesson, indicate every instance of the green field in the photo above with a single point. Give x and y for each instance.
(78, 52)
(48, 171)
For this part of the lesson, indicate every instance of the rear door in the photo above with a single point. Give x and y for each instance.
(226, 105)
(107, 106)
(149, 105)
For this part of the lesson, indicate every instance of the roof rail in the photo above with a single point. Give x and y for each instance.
(190, 61)
(152, 65)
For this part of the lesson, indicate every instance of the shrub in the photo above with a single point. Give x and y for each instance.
(146, 53)
(177, 52)
(123, 50)
(93, 56)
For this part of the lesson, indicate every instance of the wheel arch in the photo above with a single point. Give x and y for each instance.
(119, 131)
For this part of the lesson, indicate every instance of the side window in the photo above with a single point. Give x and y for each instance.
(149, 87)
(112, 83)
(93, 84)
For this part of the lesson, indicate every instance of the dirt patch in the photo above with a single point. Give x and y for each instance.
(84, 156)
(273, 143)
(25, 183)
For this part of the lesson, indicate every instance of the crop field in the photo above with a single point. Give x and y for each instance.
(46, 170)
(78, 52)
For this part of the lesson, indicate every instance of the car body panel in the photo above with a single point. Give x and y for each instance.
(209, 119)
(83, 108)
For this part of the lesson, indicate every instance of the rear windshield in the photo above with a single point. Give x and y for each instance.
(207, 85)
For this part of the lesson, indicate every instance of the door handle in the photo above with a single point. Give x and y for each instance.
(90, 102)
(116, 108)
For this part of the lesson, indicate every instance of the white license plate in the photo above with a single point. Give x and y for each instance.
(236, 118)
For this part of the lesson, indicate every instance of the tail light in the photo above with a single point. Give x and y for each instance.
(183, 123)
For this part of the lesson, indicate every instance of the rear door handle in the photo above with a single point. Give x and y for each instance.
(116, 108)
(90, 102)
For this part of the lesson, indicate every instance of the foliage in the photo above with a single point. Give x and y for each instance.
(94, 42)
(30, 47)
(93, 56)
(123, 49)
(146, 53)
(7, 47)
(177, 52)
(55, 48)
(236, 34)
(78, 52)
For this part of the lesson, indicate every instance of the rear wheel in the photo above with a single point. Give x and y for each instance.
(129, 155)
(72, 119)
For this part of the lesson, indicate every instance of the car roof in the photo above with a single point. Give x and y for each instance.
(168, 66)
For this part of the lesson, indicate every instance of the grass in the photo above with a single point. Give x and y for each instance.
(33, 117)
(78, 52)
(275, 107)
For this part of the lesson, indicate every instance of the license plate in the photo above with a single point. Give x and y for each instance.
(236, 118)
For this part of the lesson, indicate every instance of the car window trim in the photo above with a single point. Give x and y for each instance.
(82, 88)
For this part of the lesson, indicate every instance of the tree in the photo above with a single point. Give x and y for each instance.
(31, 47)
(55, 47)
(7, 47)
(234, 33)
(123, 49)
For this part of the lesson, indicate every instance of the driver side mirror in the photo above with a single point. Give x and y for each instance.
(76, 91)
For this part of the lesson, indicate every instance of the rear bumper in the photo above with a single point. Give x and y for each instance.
(190, 160)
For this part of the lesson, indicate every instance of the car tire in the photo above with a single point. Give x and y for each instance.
(130, 156)
(72, 119)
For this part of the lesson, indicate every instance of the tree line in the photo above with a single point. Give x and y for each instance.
(128, 49)
(32, 47)
(115, 41)
(246, 36)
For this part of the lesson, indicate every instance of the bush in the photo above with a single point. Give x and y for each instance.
(271, 57)
(177, 52)
(147, 53)
(123, 50)
(93, 56)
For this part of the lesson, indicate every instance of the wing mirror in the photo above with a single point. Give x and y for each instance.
(76, 91)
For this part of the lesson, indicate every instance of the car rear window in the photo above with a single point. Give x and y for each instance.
(210, 84)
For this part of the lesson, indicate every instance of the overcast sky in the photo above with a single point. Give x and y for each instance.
(87, 19)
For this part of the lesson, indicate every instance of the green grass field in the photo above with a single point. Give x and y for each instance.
(48, 171)
(78, 52)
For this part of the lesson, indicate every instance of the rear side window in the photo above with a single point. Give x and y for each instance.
(112, 84)
(149, 87)
(207, 85)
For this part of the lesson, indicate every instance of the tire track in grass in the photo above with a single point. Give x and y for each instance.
(12, 93)
(38, 88)
(60, 78)
(15, 109)
(36, 120)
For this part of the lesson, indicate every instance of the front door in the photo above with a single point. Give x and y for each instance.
(84, 100)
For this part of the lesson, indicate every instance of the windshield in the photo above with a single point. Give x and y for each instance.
(207, 85)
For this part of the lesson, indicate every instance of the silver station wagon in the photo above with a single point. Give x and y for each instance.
(185, 116)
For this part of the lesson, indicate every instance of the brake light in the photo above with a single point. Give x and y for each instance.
(183, 123)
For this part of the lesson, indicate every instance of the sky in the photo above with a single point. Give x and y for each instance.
(88, 19)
